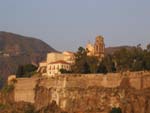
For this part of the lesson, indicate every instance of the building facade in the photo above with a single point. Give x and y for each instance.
(54, 68)
(56, 61)
(97, 49)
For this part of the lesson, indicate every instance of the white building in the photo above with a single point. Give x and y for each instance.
(54, 68)
(42, 67)
(56, 61)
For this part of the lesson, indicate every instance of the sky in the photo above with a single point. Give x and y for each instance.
(68, 24)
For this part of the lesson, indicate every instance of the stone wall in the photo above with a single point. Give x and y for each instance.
(24, 89)
(69, 89)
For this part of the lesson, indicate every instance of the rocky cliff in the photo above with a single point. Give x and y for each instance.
(88, 93)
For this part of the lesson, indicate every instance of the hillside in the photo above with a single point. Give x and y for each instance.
(111, 50)
(18, 50)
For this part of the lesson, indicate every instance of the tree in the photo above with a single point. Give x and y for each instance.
(20, 71)
(86, 68)
(81, 65)
(146, 60)
(102, 68)
(116, 110)
(148, 47)
(93, 63)
(109, 63)
(136, 56)
(25, 70)
(1, 81)
(29, 68)
(122, 59)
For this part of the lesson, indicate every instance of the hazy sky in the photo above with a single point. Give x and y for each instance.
(68, 24)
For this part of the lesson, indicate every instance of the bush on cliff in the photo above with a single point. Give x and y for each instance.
(116, 110)
(20, 107)
(7, 89)
(2, 106)
(51, 108)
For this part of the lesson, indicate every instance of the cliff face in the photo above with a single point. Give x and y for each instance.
(88, 93)
(19, 50)
(97, 100)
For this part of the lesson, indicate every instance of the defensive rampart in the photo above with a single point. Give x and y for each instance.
(60, 88)
(24, 89)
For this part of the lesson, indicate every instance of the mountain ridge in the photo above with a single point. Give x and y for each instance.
(18, 50)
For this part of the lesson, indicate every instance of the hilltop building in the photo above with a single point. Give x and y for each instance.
(55, 67)
(97, 49)
(56, 61)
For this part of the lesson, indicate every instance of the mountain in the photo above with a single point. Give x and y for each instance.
(111, 50)
(18, 50)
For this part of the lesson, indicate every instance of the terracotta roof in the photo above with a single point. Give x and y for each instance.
(59, 61)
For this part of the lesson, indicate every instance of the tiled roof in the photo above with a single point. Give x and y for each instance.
(59, 61)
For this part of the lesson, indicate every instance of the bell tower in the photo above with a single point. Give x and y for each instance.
(99, 46)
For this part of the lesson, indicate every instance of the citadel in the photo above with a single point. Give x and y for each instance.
(83, 93)
(57, 60)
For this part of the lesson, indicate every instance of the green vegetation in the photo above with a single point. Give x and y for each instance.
(64, 71)
(116, 110)
(26, 70)
(7, 89)
(2, 106)
(1, 81)
(29, 109)
(81, 64)
(22, 50)
(133, 59)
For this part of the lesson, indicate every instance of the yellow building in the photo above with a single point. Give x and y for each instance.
(54, 68)
(90, 49)
(97, 49)
(54, 56)
(54, 59)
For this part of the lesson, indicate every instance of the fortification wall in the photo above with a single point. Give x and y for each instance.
(60, 86)
(24, 89)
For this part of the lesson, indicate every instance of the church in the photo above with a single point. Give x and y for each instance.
(97, 49)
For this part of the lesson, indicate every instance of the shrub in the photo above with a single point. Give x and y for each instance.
(2, 106)
(116, 110)
(7, 88)
(26, 70)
